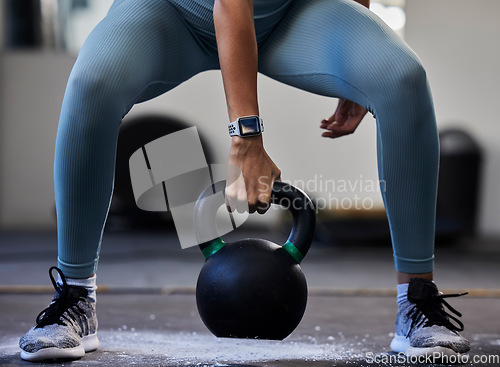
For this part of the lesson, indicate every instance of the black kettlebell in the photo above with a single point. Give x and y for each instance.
(254, 288)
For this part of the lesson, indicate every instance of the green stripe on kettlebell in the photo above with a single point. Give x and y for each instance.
(293, 251)
(211, 249)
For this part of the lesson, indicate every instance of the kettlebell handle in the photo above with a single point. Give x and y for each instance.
(283, 194)
(303, 214)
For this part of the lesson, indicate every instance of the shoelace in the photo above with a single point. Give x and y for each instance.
(67, 298)
(430, 312)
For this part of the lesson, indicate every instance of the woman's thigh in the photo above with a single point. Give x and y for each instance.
(140, 50)
(336, 48)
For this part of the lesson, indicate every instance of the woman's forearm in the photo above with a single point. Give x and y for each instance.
(238, 57)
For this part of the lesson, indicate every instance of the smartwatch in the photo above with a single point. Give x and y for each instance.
(246, 126)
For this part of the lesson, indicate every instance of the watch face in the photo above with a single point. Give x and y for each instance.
(249, 126)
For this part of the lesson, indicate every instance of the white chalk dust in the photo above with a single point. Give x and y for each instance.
(194, 348)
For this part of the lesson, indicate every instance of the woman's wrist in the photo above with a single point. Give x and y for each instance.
(240, 143)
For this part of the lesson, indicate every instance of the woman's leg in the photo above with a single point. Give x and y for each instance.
(337, 48)
(140, 49)
(340, 49)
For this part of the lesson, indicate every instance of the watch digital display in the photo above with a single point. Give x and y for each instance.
(249, 126)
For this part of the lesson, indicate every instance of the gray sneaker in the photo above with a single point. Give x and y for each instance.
(66, 329)
(424, 327)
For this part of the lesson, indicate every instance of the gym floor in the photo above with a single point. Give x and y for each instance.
(148, 317)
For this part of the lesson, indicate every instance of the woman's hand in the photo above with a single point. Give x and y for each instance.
(344, 121)
(250, 177)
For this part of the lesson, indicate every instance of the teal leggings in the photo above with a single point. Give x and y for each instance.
(334, 48)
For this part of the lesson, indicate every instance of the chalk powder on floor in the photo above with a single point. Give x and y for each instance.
(192, 348)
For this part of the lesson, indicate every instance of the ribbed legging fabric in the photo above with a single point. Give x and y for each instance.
(334, 48)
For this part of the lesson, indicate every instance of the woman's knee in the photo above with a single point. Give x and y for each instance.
(412, 75)
(97, 82)
(93, 105)
(405, 76)
(400, 92)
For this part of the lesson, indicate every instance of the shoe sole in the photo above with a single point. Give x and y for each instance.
(89, 344)
(434, 351)
(401, 344)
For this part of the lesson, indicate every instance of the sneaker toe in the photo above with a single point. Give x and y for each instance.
(439, 336)
(50, 336)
